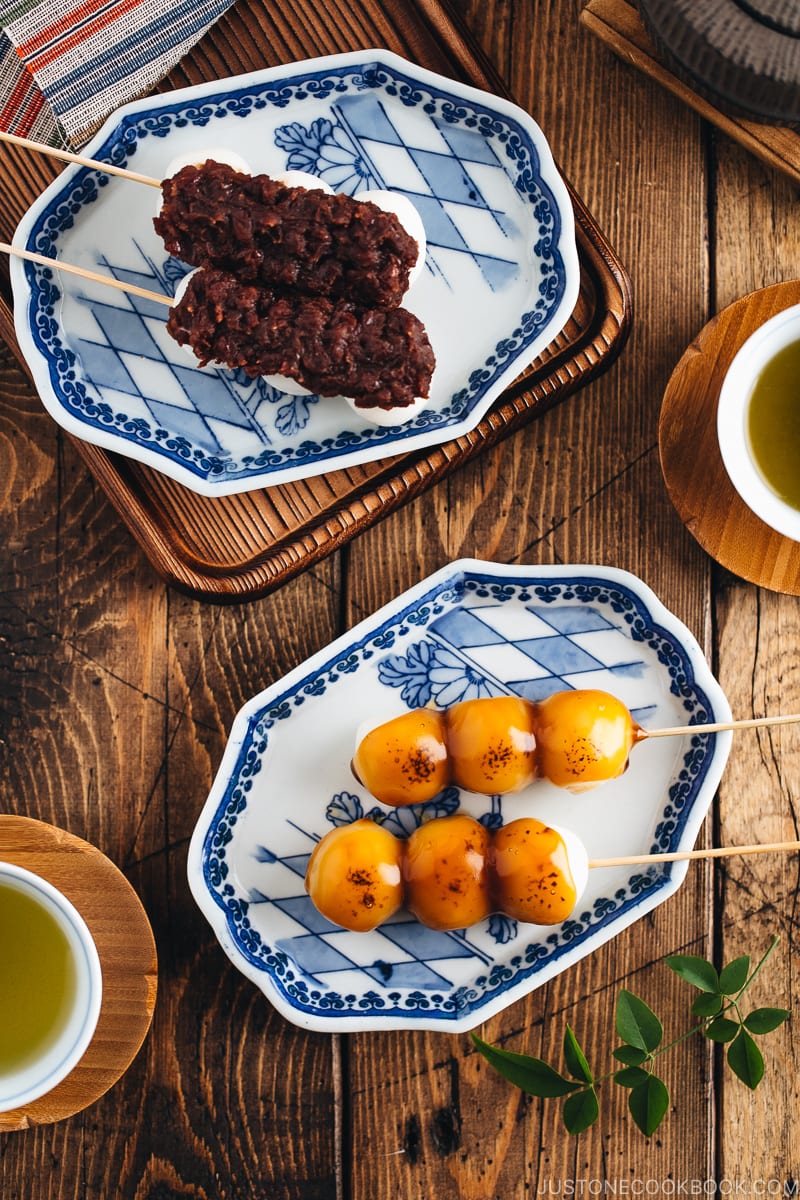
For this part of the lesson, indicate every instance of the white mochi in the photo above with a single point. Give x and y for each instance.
(304, 179)
(389, 418)
(577, 858)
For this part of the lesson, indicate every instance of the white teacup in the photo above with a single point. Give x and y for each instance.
(733, 417)
(50, 987)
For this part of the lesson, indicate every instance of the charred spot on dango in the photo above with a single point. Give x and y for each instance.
(492, 744)
(404, 761)
(354, 875)
(532, 877)
(584, 737)
(445, 872)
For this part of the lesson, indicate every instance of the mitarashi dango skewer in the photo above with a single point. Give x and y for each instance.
(575, 739)
(452, 872)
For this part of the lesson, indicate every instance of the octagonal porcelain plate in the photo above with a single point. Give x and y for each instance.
(472, 629)
(501, 273)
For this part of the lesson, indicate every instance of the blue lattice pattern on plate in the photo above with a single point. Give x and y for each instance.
(251, 851)
(367, 146)
(502, 273)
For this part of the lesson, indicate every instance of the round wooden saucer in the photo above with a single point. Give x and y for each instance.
(124, 939)
(694, 473)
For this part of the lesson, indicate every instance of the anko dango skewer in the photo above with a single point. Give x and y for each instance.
(452, 872)
(290, 230)
(293, 233)
(273, 234)
(380, 357)
(384, 357)
(574, 739)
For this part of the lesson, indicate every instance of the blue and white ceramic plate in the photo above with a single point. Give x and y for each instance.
(472, 629)
(501, 276)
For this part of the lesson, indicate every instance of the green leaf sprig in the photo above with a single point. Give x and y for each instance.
(718, 1005)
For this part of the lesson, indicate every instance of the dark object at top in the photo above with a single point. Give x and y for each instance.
(742, 55)
(292, 237)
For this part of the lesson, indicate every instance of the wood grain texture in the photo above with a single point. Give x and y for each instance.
(757, 247)
(126, 949)
(617, 23)
(693, 469)
(116, 695)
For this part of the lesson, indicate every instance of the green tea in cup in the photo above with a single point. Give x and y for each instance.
(50, 987)
(758, 422)
(774, 423)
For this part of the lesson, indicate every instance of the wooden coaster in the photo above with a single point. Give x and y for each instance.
(124, 939)
(617, 23)
(694, 473)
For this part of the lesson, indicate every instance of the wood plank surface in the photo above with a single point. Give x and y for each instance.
(618, 24)
(116, 695)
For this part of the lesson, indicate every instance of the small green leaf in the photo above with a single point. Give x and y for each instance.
(733, 977)
(631, 1077)
(637, 1024)
(707, 1004)
(632, 1056)
(528, 1073)
(648, 1103)
(695, 970)
(764, 1020)
(722, 1030)
(581, 1110)
(575, 1058)
(745, 1060)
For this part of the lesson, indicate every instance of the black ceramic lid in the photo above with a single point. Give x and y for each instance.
(743, 55)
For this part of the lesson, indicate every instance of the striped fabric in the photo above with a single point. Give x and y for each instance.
(65, 65)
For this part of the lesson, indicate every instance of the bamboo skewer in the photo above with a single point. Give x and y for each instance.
(630, 860)
(83, 273)
(80, 159)
(721, 726)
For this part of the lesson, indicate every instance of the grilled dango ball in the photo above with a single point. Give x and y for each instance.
(354, 875)
(445, 870)
(455, 872)
(500, 744)
(405, 761)
(583, 738)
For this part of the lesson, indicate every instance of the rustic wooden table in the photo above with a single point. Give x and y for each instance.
(117, 692)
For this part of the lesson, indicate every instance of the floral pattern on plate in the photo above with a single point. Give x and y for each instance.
(473, 629)
(500, 281)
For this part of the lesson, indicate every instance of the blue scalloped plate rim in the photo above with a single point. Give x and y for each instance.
(271, 933)
(90, 380)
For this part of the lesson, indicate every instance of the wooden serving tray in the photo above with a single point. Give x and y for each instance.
(241, 547)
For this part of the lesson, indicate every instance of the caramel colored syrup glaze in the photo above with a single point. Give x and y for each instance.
(451, 873)
(575, 739)
(445, 869)
(531, 875)
(354, 875)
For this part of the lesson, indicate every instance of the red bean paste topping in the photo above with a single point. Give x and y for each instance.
(292, 237)
(380, 357)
